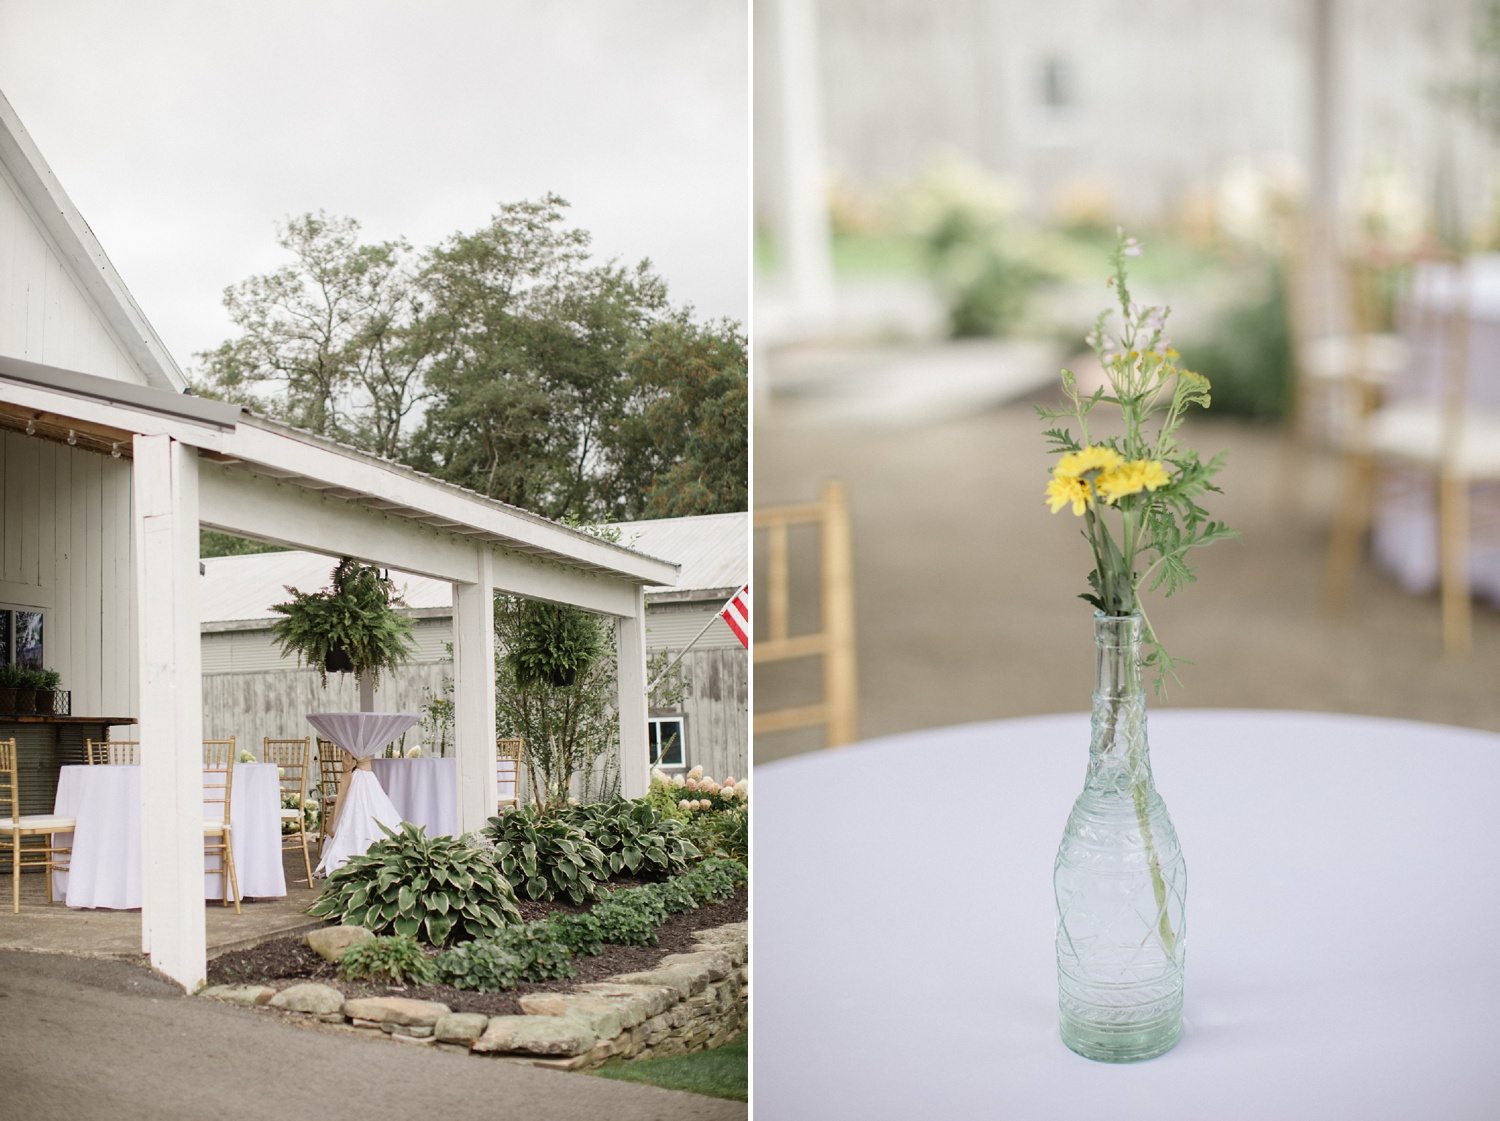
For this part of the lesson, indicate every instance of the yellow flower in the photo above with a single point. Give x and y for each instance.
(1076, 465)
(1132, 478)
(1064, 490)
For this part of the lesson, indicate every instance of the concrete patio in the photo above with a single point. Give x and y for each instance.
(56, 929)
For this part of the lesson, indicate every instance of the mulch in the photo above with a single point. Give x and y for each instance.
(284, 961)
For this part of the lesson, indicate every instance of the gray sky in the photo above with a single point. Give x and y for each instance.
(184, 129)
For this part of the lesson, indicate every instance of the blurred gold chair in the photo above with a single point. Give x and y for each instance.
(292, 758)
(14, 829)
(509, 754)
(330, 778)
(834, 640)
(218, 790)
(1445, 438)
(118, 752)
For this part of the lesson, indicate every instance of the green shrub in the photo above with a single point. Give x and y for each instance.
(1248, 358)
(413, 884)
(532, 952)
(481, 967)
(546, 857)
(630, 917)
(677, 897)
(635, 838)
(579, 933)
(389, 960)
(716, 879)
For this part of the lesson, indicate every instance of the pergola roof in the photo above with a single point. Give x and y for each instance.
(110, 412)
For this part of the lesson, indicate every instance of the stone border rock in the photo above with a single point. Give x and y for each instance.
(689, 1002)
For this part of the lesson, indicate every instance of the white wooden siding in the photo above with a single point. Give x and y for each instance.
(671, 626)
(65, 548)
(45, 316)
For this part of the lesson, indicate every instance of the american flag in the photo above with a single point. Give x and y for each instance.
(737, 614)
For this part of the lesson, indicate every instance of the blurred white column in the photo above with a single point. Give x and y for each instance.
(805, 236)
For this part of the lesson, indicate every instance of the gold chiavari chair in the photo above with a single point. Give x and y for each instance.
(15, 828)
(834, 640)
(119, 752)
(291, 758)
(330, 774)
(218, 788)
(508, 761)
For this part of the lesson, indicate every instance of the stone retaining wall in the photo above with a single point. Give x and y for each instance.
(689, 1002)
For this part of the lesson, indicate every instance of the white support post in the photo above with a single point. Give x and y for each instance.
(165, 478)
(474, 696)
(630, 645)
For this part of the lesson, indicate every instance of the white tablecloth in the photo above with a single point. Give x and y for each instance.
(106, 859)
(364, 805)
(1405, 539)
(1342, 898)
(424, 791)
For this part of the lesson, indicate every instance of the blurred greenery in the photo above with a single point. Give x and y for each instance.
(1247, 358)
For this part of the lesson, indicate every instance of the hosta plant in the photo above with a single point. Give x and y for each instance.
(636, 838)
(392, 961)
(545, 856)
(436, 888)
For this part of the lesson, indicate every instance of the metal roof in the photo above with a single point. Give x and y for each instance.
(713, 550)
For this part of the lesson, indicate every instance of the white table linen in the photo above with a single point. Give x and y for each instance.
(424, 791)
(1341, 896)
(1405, 537)
(105, 865)
(363, 805)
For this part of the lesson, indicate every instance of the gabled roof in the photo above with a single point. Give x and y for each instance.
(81, 254)
(713, 549)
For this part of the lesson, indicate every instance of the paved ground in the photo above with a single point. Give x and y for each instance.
(965, 584)
(84, 1039)
(56, 929)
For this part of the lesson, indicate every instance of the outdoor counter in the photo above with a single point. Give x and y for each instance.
(46, 744)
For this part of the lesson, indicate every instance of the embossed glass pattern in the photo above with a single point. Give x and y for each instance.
(1120, 879)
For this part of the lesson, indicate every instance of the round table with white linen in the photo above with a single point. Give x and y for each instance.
(1342, 894)
(105, 865)
(363, 805)
(424, 791)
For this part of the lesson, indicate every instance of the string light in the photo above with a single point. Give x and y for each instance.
(114, 450)
(31, 428)
(72, 438)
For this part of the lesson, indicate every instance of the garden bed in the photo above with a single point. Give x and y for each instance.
(285, 961)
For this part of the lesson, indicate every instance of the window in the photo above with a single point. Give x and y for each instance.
(21, 637)
(664, 735)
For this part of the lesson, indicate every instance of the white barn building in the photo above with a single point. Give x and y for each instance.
(109, 472)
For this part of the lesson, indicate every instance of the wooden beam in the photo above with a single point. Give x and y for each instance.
(630, 648)
(474, 695)
(165, 514)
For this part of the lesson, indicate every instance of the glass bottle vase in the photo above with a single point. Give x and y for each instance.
(1120, 880)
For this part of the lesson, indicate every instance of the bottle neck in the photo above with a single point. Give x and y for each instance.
(1118, 753)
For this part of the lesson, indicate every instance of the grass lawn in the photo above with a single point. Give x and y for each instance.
(721, 1073)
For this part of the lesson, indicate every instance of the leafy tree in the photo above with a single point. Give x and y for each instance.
(528, 346)
(681, 445)
(212, 543)
(325, 342)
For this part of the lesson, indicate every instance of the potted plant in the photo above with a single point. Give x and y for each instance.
(24, 690)
(554, 643)
(348, 627)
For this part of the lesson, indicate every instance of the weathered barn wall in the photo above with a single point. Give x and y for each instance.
(65, 547)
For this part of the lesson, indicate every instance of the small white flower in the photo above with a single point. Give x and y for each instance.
(696, 772)
(246, 756)
(728, 793)
(684, 804)
(678, 780)
(414, 751)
